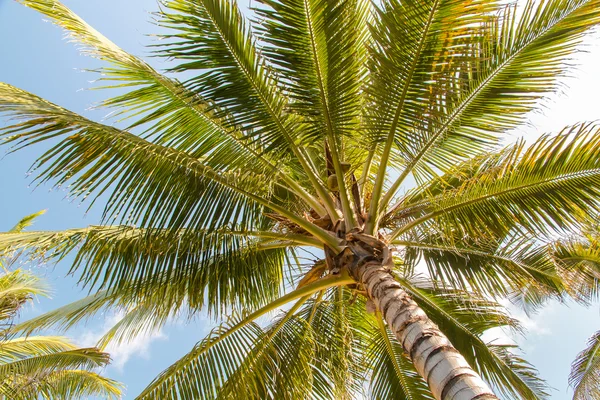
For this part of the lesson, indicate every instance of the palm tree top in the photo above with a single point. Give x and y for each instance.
(371, 131)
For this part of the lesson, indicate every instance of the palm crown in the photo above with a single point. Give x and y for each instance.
(370, 131)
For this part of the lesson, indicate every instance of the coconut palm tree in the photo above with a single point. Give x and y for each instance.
(323, 159)
(48, 367)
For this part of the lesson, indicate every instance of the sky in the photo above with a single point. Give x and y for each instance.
(35, 56)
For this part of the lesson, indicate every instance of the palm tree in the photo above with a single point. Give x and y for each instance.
(48, 367)
(369, 131)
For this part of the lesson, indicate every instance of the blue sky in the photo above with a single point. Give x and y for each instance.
(34, 56)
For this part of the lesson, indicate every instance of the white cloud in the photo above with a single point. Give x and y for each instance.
(534, 326)
(122, 352)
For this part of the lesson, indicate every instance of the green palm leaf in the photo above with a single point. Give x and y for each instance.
(513, 267)
(166, 266)
(517, 66)
(161, 103)
(410, 40)
(546, 186)
(214, 38)
(319, 49)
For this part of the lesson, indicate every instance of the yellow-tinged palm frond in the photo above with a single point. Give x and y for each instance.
(515, 63)
(52, 366)
(69, 384)
(20, 226)
(548, 185)
(66, 374)
(77, 358)
(20, 347)
(46, 366)
(512, 266)
(17, 288)
(333, 318)
(281, 361)
(26, 221)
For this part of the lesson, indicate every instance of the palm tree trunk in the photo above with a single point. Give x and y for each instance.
(445, 370)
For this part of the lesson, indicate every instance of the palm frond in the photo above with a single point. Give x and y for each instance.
(278, 366)
(26, 221)
(513, 267)
(411, 40)
(318, 48)
(79, 358)
(98, 155)
(69, 315)
(214, 38)
(197, 268)
(32, 346)
(335, 319)
(585, 371)
(160, 104)
(204, 370)
(517, 63)
(95, 157)
(548, 186)
(159, 99)
(16, 288)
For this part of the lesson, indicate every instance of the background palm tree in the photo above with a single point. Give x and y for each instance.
(48, 367)
(580, 256)
(298, 130)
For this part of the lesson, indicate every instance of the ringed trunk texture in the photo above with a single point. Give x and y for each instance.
(445, 370)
